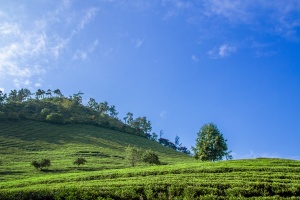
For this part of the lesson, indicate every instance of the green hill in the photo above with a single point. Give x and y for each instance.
(107, 175)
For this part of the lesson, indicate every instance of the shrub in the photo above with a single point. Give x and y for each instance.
(55, 118)
(80, 161)
(44, 163)
(150, 157)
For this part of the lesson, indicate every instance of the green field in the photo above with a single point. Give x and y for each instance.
(107, 175)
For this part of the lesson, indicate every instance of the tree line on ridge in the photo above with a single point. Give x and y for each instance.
(54, 107)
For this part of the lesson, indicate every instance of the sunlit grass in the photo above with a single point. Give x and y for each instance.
(108, 175)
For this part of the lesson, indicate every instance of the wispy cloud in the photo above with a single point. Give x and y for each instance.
(138, 43)
(88, 16)
(79, 55)
(271, 17)
(223, 51)
(27, 53)
(163, 114)
(226, 50)
(194, 58)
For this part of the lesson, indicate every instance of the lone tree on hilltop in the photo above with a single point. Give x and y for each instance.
(210, 144)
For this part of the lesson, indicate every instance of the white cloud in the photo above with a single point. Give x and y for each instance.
(272, 17)
(138, 43)
(223, 51)
(88, 16)
(26, 53)
(194, 58)
(226, 50)
(2, 89)
(163, 114)
(37, 85)
(9, 29)
(79, 55)
(93, 46)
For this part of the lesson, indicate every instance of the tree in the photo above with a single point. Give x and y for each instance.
(177, 141)
(210, 144)
(167, 143)
(12, 96)
(103, 108)
(80, 161)
(154, 137)
(93, 104)
(129, 118)
(44, 163)
(58, 93)
(150, 157)
(3, 98)
(38, 93)
(133, 155)
(49, 93)
(112, 111)
(141, 124)
(23, 94)
(77, 97)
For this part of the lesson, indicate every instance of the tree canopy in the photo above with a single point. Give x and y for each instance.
(210, 144)
(54, 107)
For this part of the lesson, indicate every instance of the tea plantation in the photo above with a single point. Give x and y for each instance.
(107, 174)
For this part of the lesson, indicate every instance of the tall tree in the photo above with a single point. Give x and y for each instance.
(3, 97)
(177, 141)
(58, 93)
(210, 144)
(128, 119)
(49, 93)
(38, 94)
(77, 97)
(23, 94)
(43, 93)
(13, 95)
(103, 108)
(93, 104)
(112, 111)
(141, 123)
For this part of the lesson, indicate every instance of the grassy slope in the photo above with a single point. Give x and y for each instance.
(107, 173)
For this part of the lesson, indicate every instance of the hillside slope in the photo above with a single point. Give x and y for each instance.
(24, 141)
(107, 175)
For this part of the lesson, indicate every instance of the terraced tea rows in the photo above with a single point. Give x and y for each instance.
(108, 176)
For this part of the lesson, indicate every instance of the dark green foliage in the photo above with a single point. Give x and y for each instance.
(167, 143)
(80, 161)
(210, 144)
(44, 163)
(153, 136)
(150, 157)
(58, 109)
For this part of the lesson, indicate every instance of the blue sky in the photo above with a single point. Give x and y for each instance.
(180, 63)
